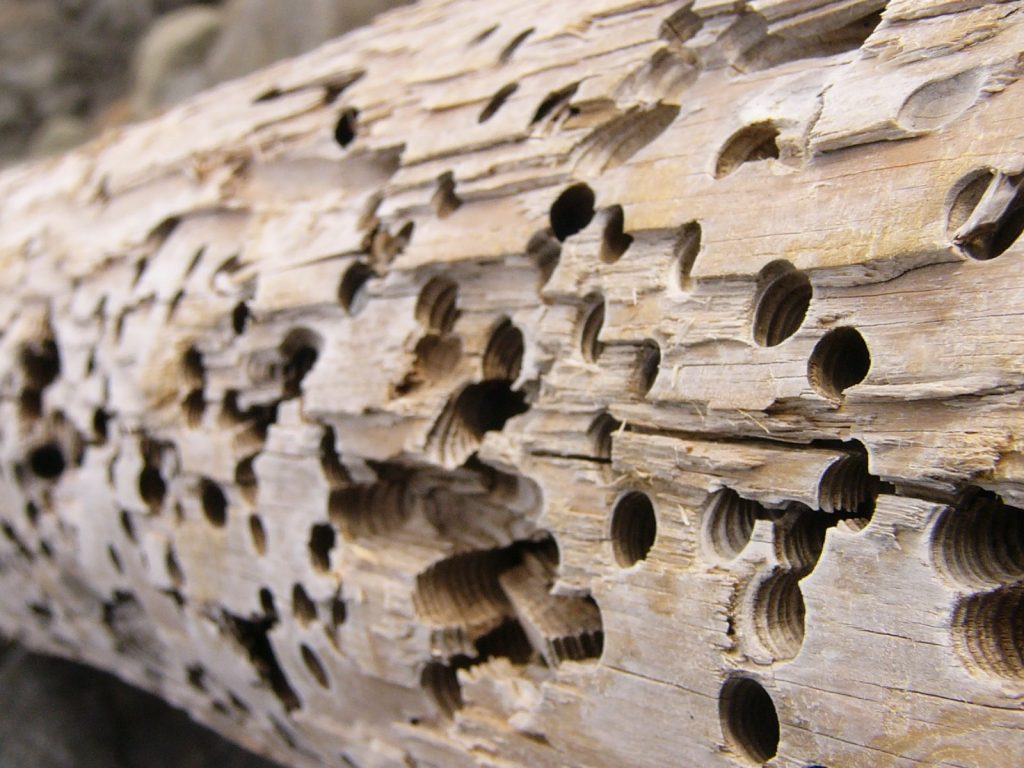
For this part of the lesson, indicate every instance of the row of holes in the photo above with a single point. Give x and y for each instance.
(839, 360)
(978, 544)
(778, 605)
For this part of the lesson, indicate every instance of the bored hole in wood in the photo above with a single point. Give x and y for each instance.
(240, 318)
(685, 248)
(193, 407)
(572, 211)
(245, 479)
(634, 528)
(590, 329)
(321, 542)
(986, 215)
(586, 642)
(729, 523)
(650, 365)
(267, 603)
(463, 591)
(979, 542)
(483, 35)
(339, 611)
(988, 633)
(554, 103)
(352, 293)
(330, 461)
(23, 550)
(345, 128)
(258, 534)
(476, 410)
(601, 432)
(437, 357)
(300, 350)
(128, 526)
(849, 490)
(444, 199)
(497, 102)
(441, 683)
(316, 669)
(749, 721)
(680, 26)
(506, 53)
(215, 506)
(840, 359)
(776, 49)
(40, 362)
(507, 640)
(303, 607)
(614, 240)
(152, 487)
(196, 675)
(100, 425)
(779, 615)
(613, 143)
(545, 251)
(253, 636)
(966, 195)
(30, 404)
(757, 141)
(503, 357)
(799, 543)
(374, 509)
(47, 461)
(193, 369)
(784, 296)
(174, 571)
(437, 306)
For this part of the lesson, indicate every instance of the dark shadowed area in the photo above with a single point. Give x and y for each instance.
(58, 714)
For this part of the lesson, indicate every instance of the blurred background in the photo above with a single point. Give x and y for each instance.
(69, 69)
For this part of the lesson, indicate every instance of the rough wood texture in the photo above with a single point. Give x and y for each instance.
(592, 383)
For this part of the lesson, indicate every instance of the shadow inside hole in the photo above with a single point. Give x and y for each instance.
(215, 505)
(987, 215)
(497, 102)
(615, 241)
(352, 293)
(47, 461)
(572, 211)
(590, 331)
(506, 53)
(755, 142)
(300, 350)
(634, 528)
(321, 542)
(839, 360)
(784, 296)
(748, 718)
(345, 128)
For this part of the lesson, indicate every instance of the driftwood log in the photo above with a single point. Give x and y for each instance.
(604, 383)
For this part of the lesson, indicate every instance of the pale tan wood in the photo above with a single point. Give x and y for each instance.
(543, 384)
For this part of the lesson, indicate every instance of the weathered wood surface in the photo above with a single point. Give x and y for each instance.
(545, 384)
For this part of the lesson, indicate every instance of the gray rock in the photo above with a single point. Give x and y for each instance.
(59, 134)
(169, 62)
(57, 714)
(258, 32)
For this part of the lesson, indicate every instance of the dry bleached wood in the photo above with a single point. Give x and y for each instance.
(589, 383)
